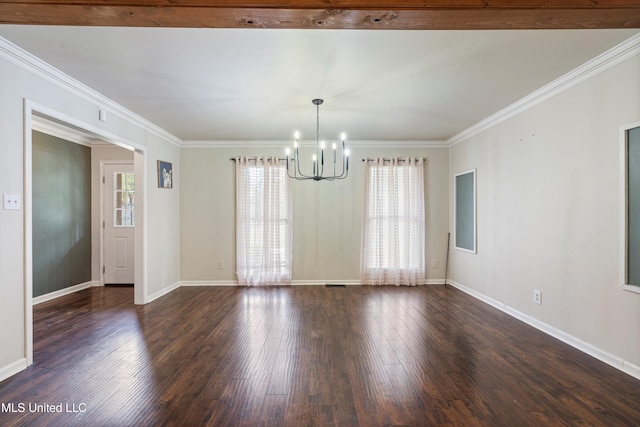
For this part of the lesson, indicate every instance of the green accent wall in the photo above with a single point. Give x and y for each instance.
(61, 213)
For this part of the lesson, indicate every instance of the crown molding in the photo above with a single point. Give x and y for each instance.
(614, 56)
(233, 144)
(281, 145)
(28, 62)
(43, 125)
(397, 144)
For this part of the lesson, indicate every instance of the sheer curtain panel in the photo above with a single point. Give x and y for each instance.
(393, 229)
(263, 222)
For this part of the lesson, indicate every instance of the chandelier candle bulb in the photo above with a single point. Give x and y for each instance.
(296, 137)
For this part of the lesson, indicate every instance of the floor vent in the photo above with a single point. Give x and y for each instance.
(334, 285)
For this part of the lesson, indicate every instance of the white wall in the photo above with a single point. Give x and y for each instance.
(23, 77)
(327, 215)
(549, 215)
(163, 211)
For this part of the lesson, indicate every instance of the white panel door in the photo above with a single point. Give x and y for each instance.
(119, 223)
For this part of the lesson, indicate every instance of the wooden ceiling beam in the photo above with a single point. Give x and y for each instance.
(328, 14)
(356, 4)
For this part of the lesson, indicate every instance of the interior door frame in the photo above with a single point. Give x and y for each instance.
(103, 163)
(32, 109)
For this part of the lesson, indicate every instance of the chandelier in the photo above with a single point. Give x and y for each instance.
(320, 170)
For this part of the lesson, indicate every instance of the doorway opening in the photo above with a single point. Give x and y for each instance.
(111, 148)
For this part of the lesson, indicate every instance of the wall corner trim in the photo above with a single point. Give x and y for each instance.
(614, 56)
(280, 145)
(608, 358)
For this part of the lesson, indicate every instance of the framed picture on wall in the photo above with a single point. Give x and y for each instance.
(165, 174)
(465, 211)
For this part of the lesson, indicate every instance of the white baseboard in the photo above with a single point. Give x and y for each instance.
(323, 282)
(12, 369)
(162, 292)
(65, 291)
(631, 369)
(208, 283)
(353, 282)
(188, 283)
(608, 358)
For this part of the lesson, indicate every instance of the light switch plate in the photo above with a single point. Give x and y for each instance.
(12, 202)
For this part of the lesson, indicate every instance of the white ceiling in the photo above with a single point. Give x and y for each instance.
(257, 85)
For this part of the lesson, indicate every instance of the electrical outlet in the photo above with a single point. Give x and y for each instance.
(435, 263)
(537, 296)
(220, 265)
(12, 202)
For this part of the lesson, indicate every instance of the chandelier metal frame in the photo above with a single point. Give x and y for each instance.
(318, 169)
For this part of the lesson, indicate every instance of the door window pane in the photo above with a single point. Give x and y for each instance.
(124, 199)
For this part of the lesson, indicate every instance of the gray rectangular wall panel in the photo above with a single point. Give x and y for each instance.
(633, 207)
(465, 211)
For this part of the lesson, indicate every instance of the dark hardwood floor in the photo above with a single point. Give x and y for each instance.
(305, 356)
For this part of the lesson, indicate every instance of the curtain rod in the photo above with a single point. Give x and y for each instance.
(369, 159)
(233, 159)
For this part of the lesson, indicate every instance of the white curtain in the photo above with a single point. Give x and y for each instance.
(393, 229)
(263, 222)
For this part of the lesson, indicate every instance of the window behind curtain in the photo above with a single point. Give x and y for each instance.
(393, 235)
(263, 222)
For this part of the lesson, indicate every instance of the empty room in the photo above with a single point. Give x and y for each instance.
(380, 214)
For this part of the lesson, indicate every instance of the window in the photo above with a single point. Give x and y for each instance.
(123, 193)
(393, 236)
(263, 222)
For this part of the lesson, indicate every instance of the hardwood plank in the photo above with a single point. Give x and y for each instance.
(306, 356)
(273, 410)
